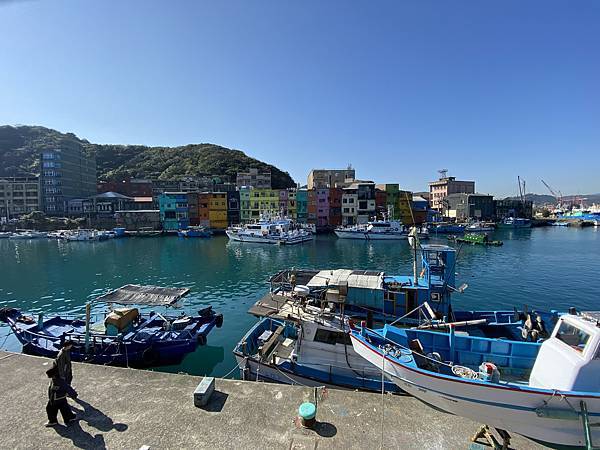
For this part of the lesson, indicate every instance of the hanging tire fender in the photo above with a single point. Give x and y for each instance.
(219, 320)
(150, 356)
(201, 339)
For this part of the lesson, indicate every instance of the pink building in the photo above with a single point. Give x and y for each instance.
(322, 207)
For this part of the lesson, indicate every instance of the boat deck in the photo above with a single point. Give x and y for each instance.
(126, 408)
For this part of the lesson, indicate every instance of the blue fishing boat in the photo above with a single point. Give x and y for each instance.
(549, 391)
(123, 336)
(514, 222)
(447, 228)
(310, 349)
(302, 337)
(195, 232)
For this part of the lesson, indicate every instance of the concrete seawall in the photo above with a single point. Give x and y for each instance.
(125, 408)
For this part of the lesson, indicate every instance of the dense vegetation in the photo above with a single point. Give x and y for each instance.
(21, 145)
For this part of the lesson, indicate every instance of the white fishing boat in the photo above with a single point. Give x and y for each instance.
(82, 235)
(266, 231)
(478, 227)
(28, 234)
(379, 230)
(549, 392)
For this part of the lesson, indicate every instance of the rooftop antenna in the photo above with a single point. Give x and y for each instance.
(443, 173)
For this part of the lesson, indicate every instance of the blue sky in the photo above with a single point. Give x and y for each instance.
(399, 89)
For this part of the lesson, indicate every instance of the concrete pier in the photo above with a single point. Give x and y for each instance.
(129, 409)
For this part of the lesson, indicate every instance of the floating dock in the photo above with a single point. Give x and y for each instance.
(127, 408)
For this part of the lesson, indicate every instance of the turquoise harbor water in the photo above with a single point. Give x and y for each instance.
(542, 268)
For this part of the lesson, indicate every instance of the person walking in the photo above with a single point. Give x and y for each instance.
(57, 398)
(63, 363)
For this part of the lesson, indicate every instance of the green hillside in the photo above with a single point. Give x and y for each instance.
(21, 145)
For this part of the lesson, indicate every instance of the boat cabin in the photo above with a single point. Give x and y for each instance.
(570, 359)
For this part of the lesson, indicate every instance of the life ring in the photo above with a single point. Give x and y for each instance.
(150, 356)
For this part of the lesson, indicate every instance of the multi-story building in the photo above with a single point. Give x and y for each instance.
(217, 210)
(233, 208)
(66, 173)
(445, 186)
(18, 195)
(174, 213)
(283, 202)
(322, 196)
(302, 205)
(349, 206)
(254, 178)
(335, 207)
(193, 199)
(311, 206)
(513, 208)
(360, 197)
(381, 207)
(325, 178)
(203, 202)
(264, 201)
(245, 209)
(292, 205)
(470, 206)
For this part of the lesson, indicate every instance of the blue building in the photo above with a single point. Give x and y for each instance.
(174, 211)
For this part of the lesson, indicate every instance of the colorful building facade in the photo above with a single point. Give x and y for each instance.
(174, 211)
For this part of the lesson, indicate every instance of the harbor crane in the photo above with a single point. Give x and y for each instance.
(556, 194)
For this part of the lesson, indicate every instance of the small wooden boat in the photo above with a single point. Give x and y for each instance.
(549, 392)
(122, 337)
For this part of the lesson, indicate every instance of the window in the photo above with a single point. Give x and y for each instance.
(572, 336)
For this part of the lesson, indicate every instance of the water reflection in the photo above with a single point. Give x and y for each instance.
(535, 267)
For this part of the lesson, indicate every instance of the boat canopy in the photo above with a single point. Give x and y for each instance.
(355, 278)
(134, 294)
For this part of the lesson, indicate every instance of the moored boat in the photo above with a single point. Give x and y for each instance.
(280, 231)
(379, 230)
(144, 232)
(123, 336)
(514, 222)
(548, 391)
(479, 227)
(194, 232)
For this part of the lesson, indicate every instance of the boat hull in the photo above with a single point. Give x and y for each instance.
(507, 407)
(271, 240)
(364, 235)
(140, 347)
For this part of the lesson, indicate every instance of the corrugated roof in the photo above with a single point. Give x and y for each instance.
(135, 294)
(360, 279)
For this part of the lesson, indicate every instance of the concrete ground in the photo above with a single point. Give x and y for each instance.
(125, 408)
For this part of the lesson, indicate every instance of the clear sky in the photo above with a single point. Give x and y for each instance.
(399, 89)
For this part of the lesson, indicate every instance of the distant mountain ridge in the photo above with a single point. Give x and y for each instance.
(20, 147)
(540, 199)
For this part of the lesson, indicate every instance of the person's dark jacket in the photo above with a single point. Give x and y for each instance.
(59, 389)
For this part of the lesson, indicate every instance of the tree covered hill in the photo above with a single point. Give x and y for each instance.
(20, 147)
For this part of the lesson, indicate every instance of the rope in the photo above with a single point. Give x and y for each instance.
(6, 338)
(407, 314)
(382, 397)
(401, 347)
(237, 366)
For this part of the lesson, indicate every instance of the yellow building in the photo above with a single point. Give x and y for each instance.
(217, 210)
(264, 201)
